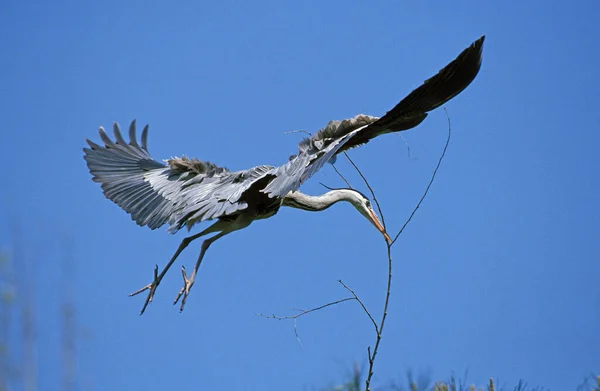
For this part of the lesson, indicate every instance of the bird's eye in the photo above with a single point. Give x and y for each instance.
(368, 204)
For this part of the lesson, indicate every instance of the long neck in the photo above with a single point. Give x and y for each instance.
(303, 201)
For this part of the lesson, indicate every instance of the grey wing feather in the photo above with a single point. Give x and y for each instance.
(314, 153)
(183, 192)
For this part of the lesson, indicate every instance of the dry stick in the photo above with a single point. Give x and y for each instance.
(378, 328)
(430, 181)
(373, 355)
(298, 131)
(368, 186)
(328, 187)
(343, 177)
(364, 307)
(304, 312)
(383, 318)
(407, 145)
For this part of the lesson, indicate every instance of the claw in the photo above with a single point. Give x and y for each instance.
(185, 291)
(152, 287)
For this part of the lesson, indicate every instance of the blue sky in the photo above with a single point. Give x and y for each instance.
(497, 274)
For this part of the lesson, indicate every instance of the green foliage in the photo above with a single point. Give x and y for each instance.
(422, 383)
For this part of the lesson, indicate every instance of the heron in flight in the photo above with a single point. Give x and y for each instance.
(187, 191)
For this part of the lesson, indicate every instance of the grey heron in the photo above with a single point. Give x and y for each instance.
(184, 191)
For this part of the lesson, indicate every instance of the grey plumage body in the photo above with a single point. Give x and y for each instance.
(186, 191)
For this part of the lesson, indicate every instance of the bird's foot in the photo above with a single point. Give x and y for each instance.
(151, 287)
(185, 291)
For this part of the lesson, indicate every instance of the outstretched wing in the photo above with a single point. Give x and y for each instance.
(434, 92)
(182, 192)
(339, 136)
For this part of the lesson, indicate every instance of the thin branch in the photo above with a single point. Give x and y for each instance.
(364, 307)
(379, 329)
(327, 187)
(406, 143)
(298, 131)
(343, 177)
(430, 181)
(303, 312)
(373, 355)
(369, 187)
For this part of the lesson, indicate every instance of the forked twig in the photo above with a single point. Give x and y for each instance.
(303, 312)
(372, 354)
(364, 307)
(383, 318)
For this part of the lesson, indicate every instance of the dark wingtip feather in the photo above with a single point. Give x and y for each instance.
(434, 92)
(445, 85)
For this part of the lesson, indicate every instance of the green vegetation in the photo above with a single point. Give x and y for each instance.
(356, 382)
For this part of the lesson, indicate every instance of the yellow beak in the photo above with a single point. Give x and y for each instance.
(379, 226)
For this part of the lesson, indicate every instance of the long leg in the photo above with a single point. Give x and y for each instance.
(158, 277)
(187, 283)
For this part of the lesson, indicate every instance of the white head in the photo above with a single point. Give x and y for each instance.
(362, 203)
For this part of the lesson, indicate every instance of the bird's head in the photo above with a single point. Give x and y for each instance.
(362, 203)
